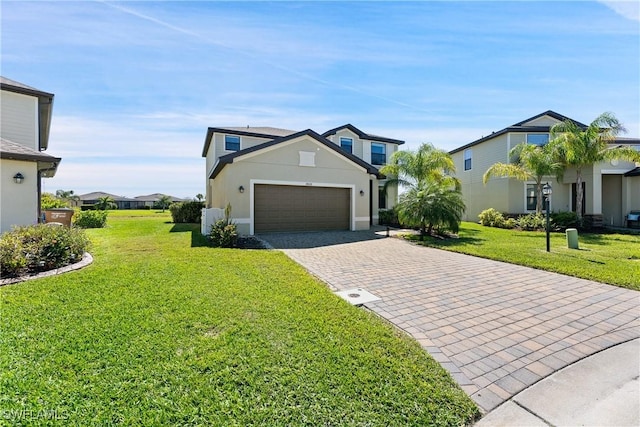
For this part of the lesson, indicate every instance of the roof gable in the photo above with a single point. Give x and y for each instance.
(536, 123)
(362, 135)
(229, 158)
(258, 132)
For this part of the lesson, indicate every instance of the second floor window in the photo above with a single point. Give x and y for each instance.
(378, 154)
(231, 143)
(537, 138)
(346, 144)
(467, 159)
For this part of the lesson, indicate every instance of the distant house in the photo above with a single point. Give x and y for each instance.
(151, 200)
(25, 117)
(612, 189)
(284, 180)
(87, 201)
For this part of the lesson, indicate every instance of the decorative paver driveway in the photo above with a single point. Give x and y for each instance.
(496, 327)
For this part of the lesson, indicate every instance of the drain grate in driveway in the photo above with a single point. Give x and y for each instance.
(357, 296)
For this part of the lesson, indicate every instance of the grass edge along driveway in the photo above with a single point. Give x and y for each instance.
(608, 258)
(161, 330)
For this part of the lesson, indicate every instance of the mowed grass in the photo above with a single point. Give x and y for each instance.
(607, 258)
(162, 330)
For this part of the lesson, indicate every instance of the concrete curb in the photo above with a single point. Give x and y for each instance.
(86, 260)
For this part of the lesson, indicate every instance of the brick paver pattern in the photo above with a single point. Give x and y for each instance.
(497, 328)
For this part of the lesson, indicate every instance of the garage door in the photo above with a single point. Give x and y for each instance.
(294, 208)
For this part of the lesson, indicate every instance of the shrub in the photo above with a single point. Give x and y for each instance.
(40, 248)
(564, 220)
(532, 221)
(223, 234)
(50, 201)
(491, 218)
(186, 212)
(90, 219)
(388, 217)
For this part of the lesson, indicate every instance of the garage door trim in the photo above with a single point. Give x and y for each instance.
(253, 182)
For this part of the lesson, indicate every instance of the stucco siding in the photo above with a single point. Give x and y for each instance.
(19, 119)
(18, 202)
(280, 164)
(542, 121)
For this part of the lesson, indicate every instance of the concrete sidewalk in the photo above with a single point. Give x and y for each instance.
(497, 328)
(601, 390)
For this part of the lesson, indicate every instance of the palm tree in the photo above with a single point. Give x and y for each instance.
(67, 196)
(431, 204)
(105, 203)
(530, 163)
(410, 168)
(199, 197)
(580, 147)
(164, 201)
(433, 198)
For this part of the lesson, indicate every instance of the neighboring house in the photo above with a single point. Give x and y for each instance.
(152, 200)
(87, 201)
(612, 189)
(25, 120)
(283, 180)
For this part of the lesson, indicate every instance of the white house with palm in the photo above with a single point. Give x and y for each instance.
(611, 187)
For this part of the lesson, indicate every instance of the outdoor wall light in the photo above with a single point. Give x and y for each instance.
(241, 189)
(362, 192)
(18, 178)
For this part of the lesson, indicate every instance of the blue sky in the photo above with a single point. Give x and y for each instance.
(138, 83)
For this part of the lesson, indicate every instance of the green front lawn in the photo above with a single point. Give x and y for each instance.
(607, 258)
(162, 330)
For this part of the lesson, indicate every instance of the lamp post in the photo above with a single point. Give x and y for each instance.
(546, 192)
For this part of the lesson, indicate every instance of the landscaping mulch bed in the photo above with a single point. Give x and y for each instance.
(249, 242)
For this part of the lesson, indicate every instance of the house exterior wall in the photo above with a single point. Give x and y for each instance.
(216, 149)
(280, 164)
(19, 118)
(18, 202)
(497, 193)
(631, 194)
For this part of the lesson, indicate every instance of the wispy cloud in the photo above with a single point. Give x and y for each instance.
(627, 9)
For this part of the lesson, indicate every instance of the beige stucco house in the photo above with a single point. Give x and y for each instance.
(283, 180)
(25, 118)
(612, 189)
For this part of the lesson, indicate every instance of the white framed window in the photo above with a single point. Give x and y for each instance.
(531, 198)
(378, 153)
(538, 138)
(346, 144)
(232, 142)
(467, 159)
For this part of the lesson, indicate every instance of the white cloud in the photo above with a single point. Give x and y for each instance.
(627, 9)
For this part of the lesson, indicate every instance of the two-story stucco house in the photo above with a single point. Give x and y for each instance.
(612, 189)
(283, 180)
(25, 119)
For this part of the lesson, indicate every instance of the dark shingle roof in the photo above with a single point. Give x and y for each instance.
(259, 132)
(14, 151)
(227, 159)
(520, 127)
(362, 135)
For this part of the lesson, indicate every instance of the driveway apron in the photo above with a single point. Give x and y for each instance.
(496, 327)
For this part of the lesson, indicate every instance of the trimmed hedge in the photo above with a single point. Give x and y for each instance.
(42, 247)
(90, 219)
(186, 212)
